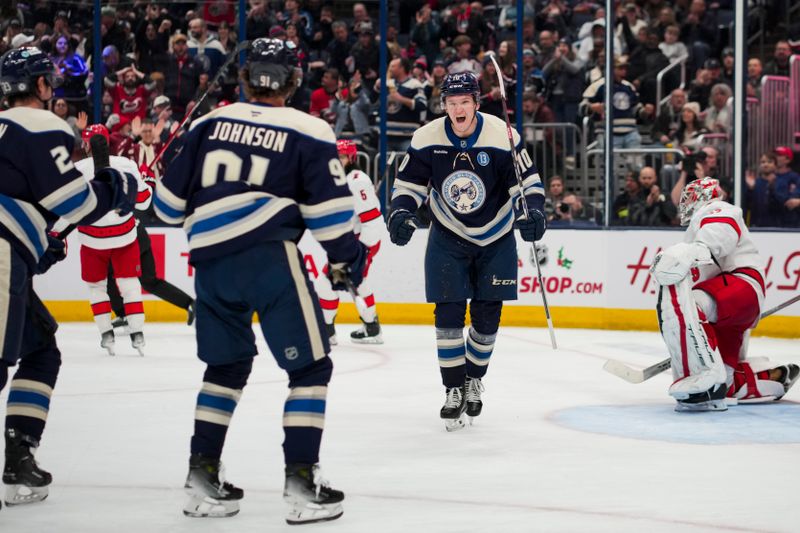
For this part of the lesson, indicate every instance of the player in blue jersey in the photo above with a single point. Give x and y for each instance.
(461, 165)
(250, 179)
(39, 184)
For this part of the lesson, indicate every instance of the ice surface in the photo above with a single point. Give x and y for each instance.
(561, 445)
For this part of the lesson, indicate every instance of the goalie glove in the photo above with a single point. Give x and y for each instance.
(674, 263)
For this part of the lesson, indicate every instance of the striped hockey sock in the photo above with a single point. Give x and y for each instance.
(451, 353)
(303, 422)
(479, 351)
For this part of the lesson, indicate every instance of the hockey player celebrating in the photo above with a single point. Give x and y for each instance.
(39, 185)
(112, 241)
(475, 202)
(369, 228)
(250, 179)
(711, 289)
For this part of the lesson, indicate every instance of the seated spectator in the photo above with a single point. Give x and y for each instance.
(554, 196)
(630, 24)
(700, 88)
(338, 49)
(787, 186)
(572, 212)
(654, 208)
(672, 47)
(464, 60)
(718, 115)
(762, 207)
(325, 100)
(535, 111)
(74, 71)
(144, 144)
(433, 90)
(78, 123)
(598, 14)
(780, 63)
(668, 121)
(754, 73)
(626, 201)
(690, 128)
(728, 61)
(666, 18)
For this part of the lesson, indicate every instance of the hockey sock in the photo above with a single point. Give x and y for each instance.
(329, 309)
(304, 412)
(450, 342)
(479, 350)
(101, 307)
(328, 298)
(131, 291)
(30, 391)
(218, 397)
(367, 313)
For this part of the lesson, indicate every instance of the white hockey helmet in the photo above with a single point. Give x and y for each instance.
(695, 195)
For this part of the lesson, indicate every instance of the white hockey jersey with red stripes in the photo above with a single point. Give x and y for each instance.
(720, 226)
(369, 225)
(113, 230)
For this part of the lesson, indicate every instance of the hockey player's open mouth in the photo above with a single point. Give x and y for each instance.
(461, 120)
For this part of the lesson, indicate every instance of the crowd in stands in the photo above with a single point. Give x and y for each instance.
(159, 57)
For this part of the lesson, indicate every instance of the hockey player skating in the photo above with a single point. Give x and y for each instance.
(39, 184)
(475, 202)
(111, 241)
(711, 289)
(370, 228)
(250, 179)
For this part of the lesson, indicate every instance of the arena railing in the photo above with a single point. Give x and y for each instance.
(556, 149)
(721, 142)
(773, 127)
(754, 127)
(662, 99)
(794, 100)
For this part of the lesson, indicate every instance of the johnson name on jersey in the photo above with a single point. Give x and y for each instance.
(39, 181)
(113, 230)
(720, 226)
(472, 181)
(252, 173)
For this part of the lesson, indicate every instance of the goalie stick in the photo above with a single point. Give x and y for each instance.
(524, 203)
(638, 375)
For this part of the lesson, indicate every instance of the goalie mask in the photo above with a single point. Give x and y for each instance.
(695, 195)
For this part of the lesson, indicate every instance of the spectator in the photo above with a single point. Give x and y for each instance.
(74, 71)
(204, 47)
(325, 100)
(672, 48)
(554, 196)
(547, 48)
(787, 186)
(565, 83)
(61, 110)
(425, 34)
(573, 212)
(13, 29)
(145, 144)
(700, 88)
(690, 127)
(625, 202)
(726, 76)
(653, 207)
(113, 32)
(432, 91)
(666, 18)
(718, 116)
(113, 63)
(406, 103)
(360, 16)
(669, 119)
(627, 107)
(365, 54)
(646, 62)
(338, 50)
(630, 24)
(182, 75)
(259, 19)
(535, 111)
(302, 20)
(754, 72)
(162, 113)
(779, 65)
(699, 32)
(762, 206)
(464, 60)
(152, 41)
(465, 22)
(599, 15)
(595, 41)
(132, 94)
(323, 31)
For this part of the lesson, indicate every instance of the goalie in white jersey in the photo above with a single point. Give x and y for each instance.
(369, 228)
(711, 293)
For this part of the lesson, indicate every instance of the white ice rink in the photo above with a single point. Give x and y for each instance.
(560, 446)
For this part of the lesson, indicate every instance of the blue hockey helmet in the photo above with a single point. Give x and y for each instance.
(271, 63)
(21, 67)
(461, 83)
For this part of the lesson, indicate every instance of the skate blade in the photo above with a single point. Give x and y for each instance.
(332, 341)
(22, 494)
(141, 352)
(701, 407)
(455, 424)
(207, 507)
(313, 512)
(110, 351)
(378, 339)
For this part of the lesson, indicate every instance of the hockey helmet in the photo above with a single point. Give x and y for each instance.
(461, 83)
(21, 67)
(94, 129)
(695, 195)
(347, 148)
(271, 62)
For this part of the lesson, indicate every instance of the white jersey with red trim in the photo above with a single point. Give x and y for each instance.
(369, 224)
(720, 226)
(113, 230)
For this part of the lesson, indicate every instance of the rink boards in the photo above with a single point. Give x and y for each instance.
(594, 279)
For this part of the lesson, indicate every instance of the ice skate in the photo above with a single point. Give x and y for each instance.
(474, 388)
(331, 330)
(210, 496)
(25, 481)
(453, 410)
(309, 497)
(369, 333)
(107, 342)
(137, 341)
(711, 400)
(120, 322)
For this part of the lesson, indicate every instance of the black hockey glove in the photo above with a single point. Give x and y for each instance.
(343, 274)
(401, 226)
(56, 251)
(123, 189)
(532, 228)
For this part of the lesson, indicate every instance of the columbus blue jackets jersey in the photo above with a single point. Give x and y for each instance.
(251, 173)
(39, 181)
(471, 181)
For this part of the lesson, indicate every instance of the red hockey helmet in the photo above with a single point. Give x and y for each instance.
(222, 103)
(94, 129)
(347, 148)
(695, 195)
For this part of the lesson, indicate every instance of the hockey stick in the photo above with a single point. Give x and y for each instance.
(211, 87)
(638, 375)
(524, 202)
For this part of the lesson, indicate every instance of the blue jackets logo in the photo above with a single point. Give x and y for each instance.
(483, 159)
(464, 191)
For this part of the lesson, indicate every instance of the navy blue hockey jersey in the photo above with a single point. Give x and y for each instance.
(39, 181)
(472, 181)
(251, 173)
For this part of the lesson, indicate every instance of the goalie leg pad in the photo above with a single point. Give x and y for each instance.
(696, 363)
